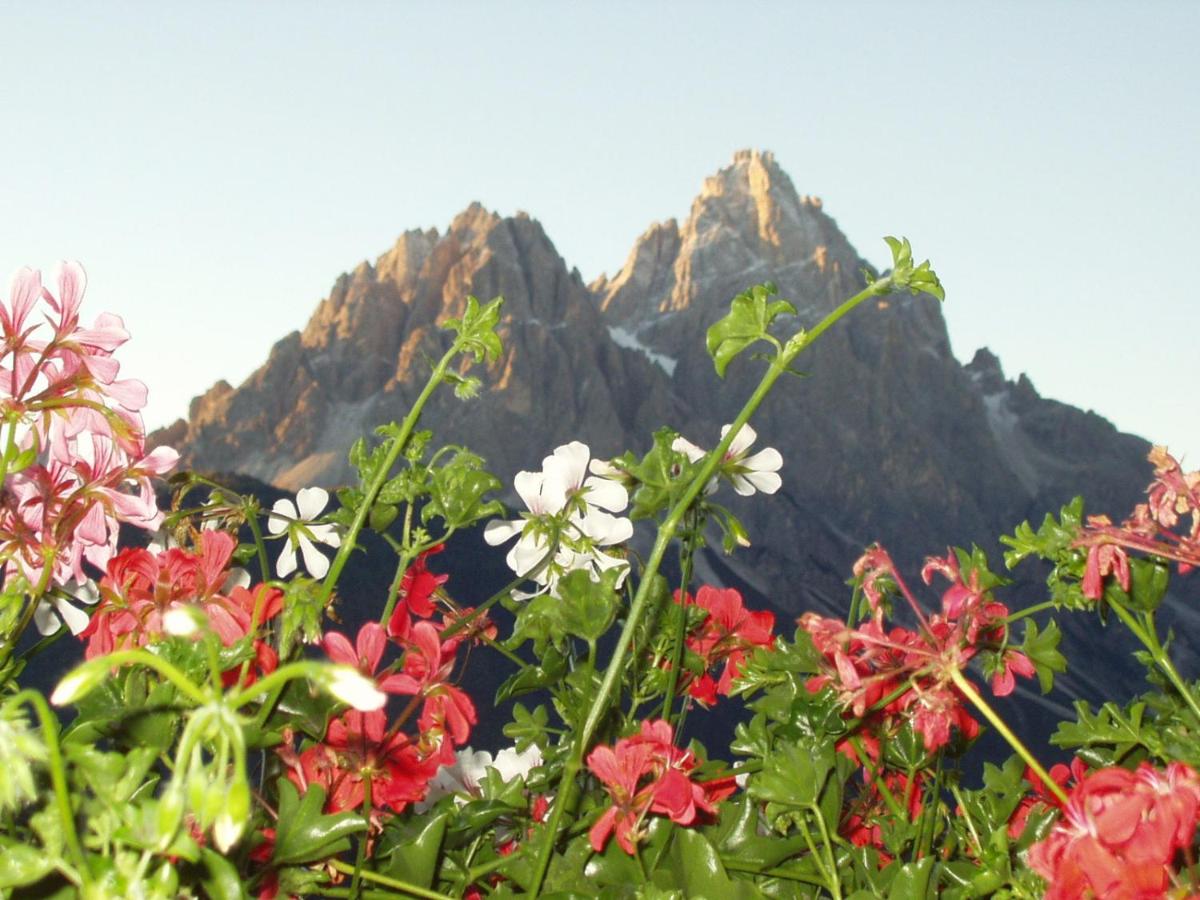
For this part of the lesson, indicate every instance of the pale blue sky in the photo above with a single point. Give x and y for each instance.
(215, 166)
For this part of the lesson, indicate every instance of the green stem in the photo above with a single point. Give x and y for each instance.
(260, 545)
(968, 691)
(873, 778)
(687, 555)
(1148, 635)
(382, 473)
(386, 881)
(356, 880)
(303, 669)
(1029, 611)
(835, 886)
(150, 661)
(666, 534)
(58, 777)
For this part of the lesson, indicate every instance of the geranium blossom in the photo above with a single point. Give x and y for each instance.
(562, 496)
(1120, 833)
(302, 533)
(645, 774)
(89, 470)
(747, 474)
(727, 634)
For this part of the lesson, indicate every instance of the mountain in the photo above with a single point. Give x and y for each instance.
(889, 439)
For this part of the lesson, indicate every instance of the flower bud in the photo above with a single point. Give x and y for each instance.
(351, 686)
(170, 815)
(78, 684)
(231, 821)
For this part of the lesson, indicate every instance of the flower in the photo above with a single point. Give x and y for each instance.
(578, 509)
(747, 474)
(53, 611)
(645, 773)
(301, 532)
(470, 767)
(728, 633)
(1120, 832)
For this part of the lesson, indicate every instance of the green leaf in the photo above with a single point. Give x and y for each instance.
(913, 881)
(918, 279)
(1042, 650)
(527, 727)
(696, 869)
(21, 864)
(303, 834)
(1148, 581)
(221, 880)
(750, 316)
(412, 848)
(476, 329)
(587, 608)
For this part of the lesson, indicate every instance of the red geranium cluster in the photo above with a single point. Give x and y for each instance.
(141, 586)
(1121, 833)
(645, 774)
(360, 748)
(1159, 527)
(867, 664)
(728, 633)
(78, 466)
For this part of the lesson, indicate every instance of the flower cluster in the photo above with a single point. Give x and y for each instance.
(570, 521)
(647, 774)
(1160, 527)
(143, 588)
(911, 671)
(76, 464)
(1120, 833)
(727, 634)
(361, 748)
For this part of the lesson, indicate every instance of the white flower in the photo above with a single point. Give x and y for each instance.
(589, 501)
(182, 620)
(751, 473)
(747, 474)
(300, 532)
(470, 768)
(49, 611)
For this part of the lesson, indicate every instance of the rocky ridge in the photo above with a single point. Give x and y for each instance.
(890, 439)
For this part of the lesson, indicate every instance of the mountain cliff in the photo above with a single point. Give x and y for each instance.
(889, 439)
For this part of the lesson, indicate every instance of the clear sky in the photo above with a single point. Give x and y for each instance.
(215, 166)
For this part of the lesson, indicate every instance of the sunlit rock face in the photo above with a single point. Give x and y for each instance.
(889, 439)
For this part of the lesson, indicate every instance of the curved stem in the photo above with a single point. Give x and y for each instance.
(150, 661)
(968, 691)
(58, 776)
(666, 533)
(386, 881)
(384, 470)
(1148, 635)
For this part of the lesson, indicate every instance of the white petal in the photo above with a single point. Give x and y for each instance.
(741, 485)
(311, 501)
(741, 441)
(325, 534)
(286, 564)
(314, 560)
(76, 618)
(604, 469)
(526, 554)
(510, 764)
(570, 461)
(606, 494)
(498, 531)
(529, 488)
(352, 687)
(688, 449)
(765, 460)
(45, 619)
(603, 528)
(767, 482)
(284, 507)
(237, 577)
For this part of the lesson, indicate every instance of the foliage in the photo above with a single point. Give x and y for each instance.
(223, 739)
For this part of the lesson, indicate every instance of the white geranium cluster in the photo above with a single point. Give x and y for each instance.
(562, 497)
(470, 768)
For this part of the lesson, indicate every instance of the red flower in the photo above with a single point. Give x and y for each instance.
(645, 774)
(426, 673)
(1120, 833)
(140, 586)
(417, 587)
(357, 748)
(727, 634)
(365, 655)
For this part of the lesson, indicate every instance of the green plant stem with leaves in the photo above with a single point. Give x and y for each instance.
(785, 354)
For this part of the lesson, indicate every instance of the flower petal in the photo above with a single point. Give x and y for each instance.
(311, 501)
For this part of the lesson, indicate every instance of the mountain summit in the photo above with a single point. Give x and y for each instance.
(890, 439)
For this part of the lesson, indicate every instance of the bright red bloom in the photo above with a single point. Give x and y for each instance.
(1042, 795)
(415, 595)
(365, 655)
(428, 663)
(866, 664)
(727, 635)
(356, 748)
(141, 586)
(1120, 833)
(645, 774)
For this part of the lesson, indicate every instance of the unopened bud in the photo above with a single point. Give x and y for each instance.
(78, 684)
